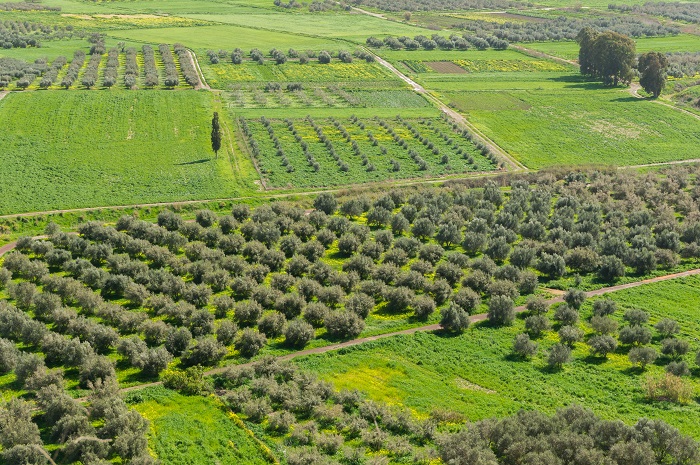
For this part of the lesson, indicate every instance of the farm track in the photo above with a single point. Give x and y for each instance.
(538, 54)
(635, 88)
(404, 183)
(435, 327)
(3, 94)
(512, 162)
(195, 63)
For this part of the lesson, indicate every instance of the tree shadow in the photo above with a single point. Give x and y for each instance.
(196, 162)
(628, 99)
(594, 360)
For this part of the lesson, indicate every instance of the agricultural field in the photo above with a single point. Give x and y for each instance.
(584, 126)
(149, 299)
(110, 160)
(329, 152)
(367, 233)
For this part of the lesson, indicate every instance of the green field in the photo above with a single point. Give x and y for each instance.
(371, 162)
(597, 125)
(80, 149)
(475, 373)
(195, 430)
(225, 74)
(569, 49)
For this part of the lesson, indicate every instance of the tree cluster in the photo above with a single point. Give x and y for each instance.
(23, 34)
(51, 74)
(12, 69)
(566, 28)
(436, 5)
(608, 56)
(436, 41)
(678, 11)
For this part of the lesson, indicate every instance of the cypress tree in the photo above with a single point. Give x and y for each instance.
(215, 134)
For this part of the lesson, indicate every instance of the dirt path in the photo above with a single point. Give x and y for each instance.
(635, 88)
(513, 163)
(4, 93)
(369, 13)
(435, 327)
(195, 63)
(282, 195)
(538, 54)
(662, 163)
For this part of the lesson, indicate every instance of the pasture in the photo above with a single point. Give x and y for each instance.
(592, 125)
(134, 153)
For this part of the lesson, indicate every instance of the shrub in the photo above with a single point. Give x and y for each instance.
(536, 305)
(272, 324)
(423, 307)
(667, 327)
(501, 310)
(315, 313)
(360, 304)
(602, 345)
(226, 332)
(344, 325)
(574, 298)
(523, 346)
(535, 325)
(566, 315)
(678, 368)
(635, 334)
(603, 325)
(454, 318)
(466, 299)
(298, 333)
(674, 348)
(642, 356)
(250, 342)
(668, 387)
(280, 422)
(205, 351)
(636, 317)
(604, 307)
(559, 354)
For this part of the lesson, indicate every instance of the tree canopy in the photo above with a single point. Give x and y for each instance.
(608, 56)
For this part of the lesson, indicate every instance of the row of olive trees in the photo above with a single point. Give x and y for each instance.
(186, 66)
(73, 69)
(171, 76)
(149, 66)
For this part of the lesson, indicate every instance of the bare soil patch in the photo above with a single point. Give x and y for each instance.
(445, 67)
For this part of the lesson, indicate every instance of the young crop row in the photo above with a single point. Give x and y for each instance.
(333, 152)
(101, 70)
(238, 56)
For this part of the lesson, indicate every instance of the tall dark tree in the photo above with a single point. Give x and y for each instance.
(652, 68)
(215, 134)
(608, 56)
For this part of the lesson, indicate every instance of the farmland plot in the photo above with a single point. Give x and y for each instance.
(312, 153)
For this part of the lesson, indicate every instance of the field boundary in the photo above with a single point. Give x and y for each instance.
(4, 93)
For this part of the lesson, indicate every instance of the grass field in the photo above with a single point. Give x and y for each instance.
(569, 49)
(195, 430)
(225, 36)
(476, 375)
(225, 74)
(133, 152)
(354, 27)
(598, 125)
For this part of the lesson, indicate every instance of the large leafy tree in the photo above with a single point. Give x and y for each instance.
(608, 56)
(652, 68)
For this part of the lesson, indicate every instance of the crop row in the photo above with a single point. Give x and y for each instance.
(333, 152)
(107, 66)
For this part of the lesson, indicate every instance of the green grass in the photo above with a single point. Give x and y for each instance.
(225, 74)
(476, 375)
(195, 430)
(585, 124)
(353, 27)
(81, 149)
(569, 49)
(225, 36)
